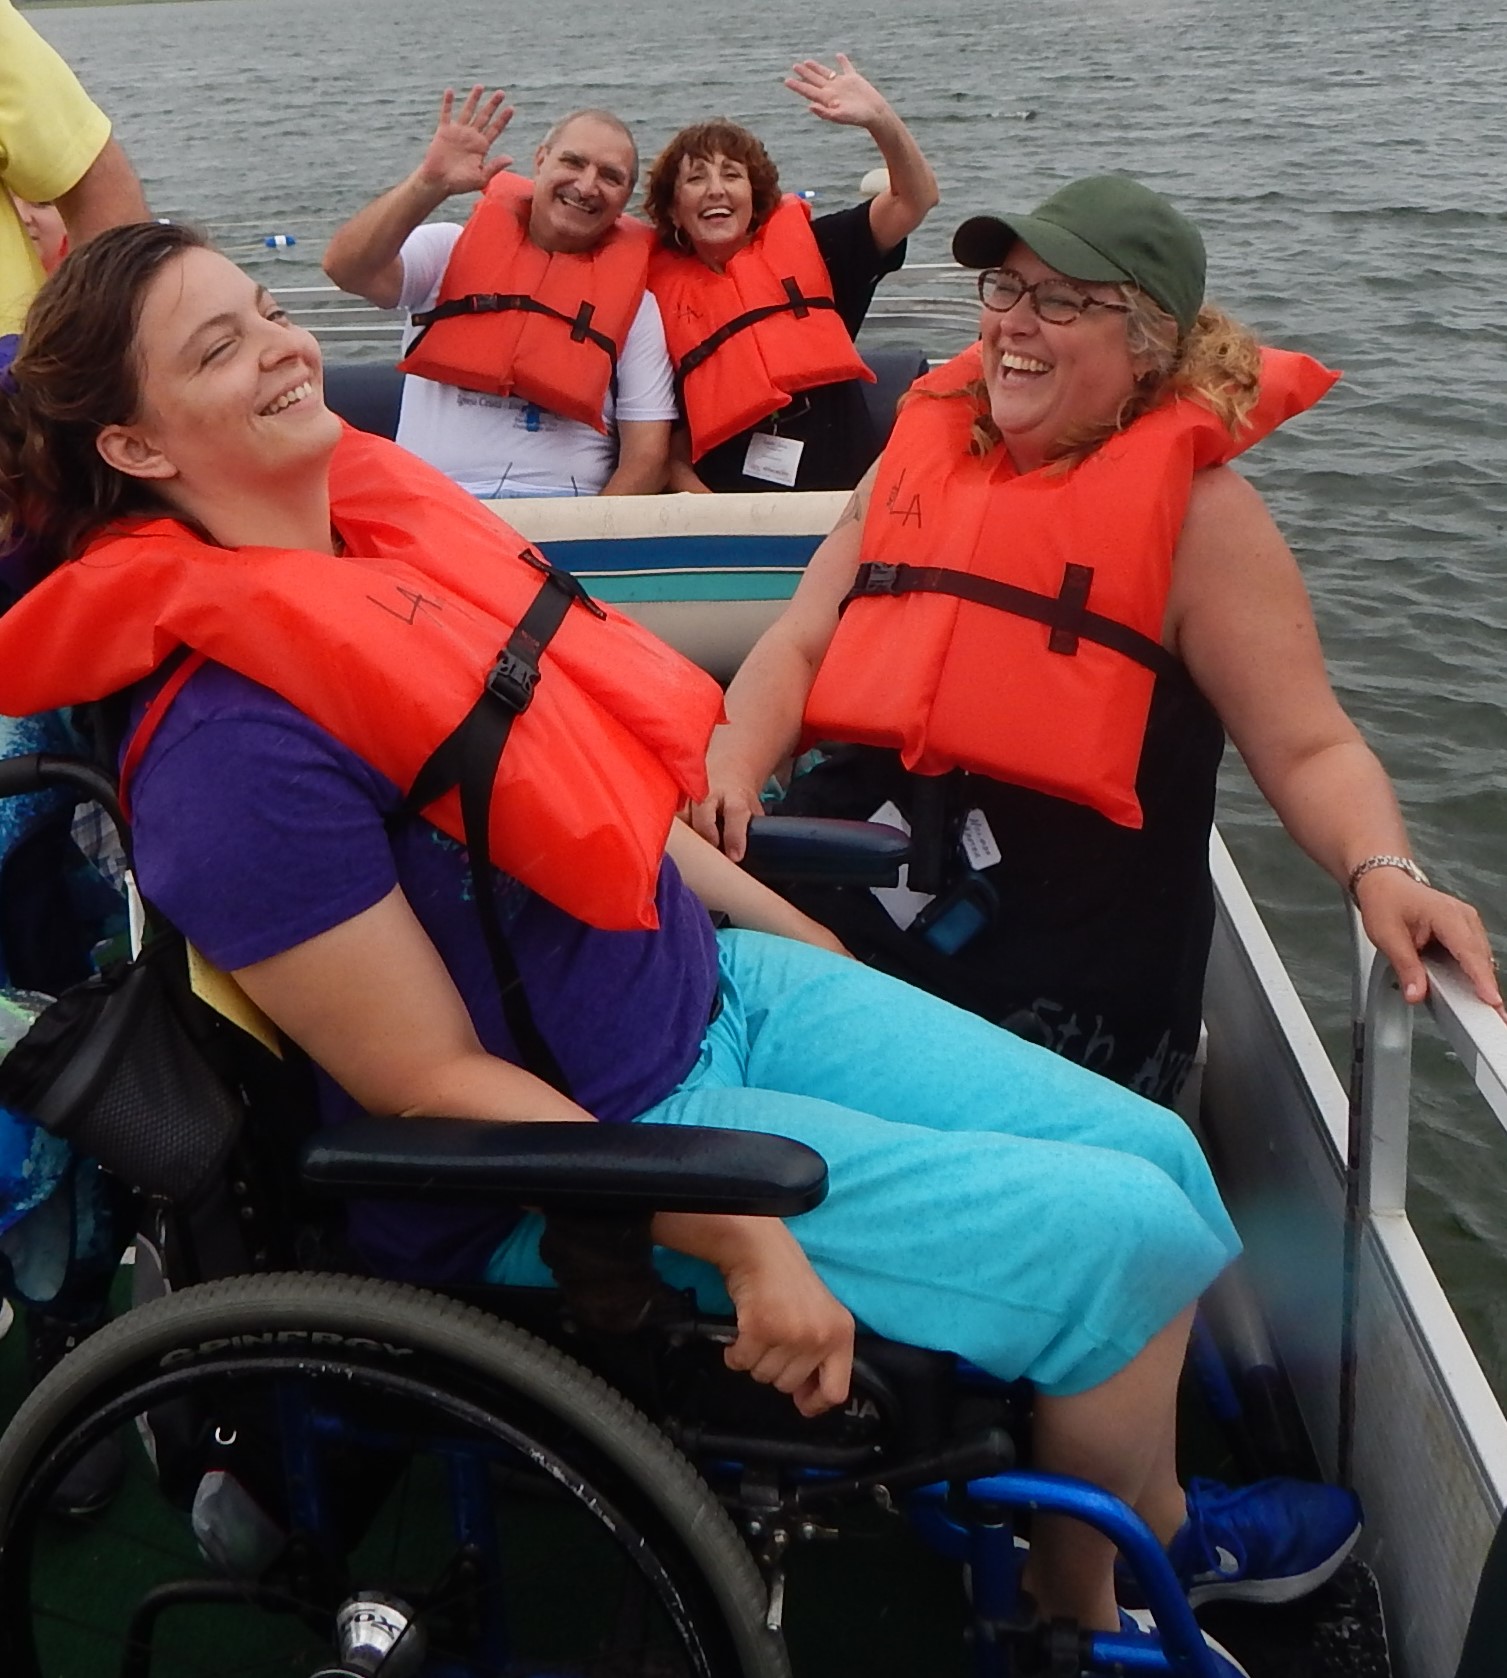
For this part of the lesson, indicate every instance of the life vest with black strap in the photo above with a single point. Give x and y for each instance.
(746, 340)
(436, 632)
(1010, 623)
(514, 320)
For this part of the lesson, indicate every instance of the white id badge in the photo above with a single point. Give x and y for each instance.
(978, 842)
(774, 459)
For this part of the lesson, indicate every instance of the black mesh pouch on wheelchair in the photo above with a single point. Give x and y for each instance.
(120, 1066)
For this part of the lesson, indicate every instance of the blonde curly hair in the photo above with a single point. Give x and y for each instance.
(1219, 363)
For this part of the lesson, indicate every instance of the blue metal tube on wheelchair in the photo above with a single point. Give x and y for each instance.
(994, 1564)
(1058, 1494)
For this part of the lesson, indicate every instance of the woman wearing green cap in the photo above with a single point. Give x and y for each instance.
(1034, 625)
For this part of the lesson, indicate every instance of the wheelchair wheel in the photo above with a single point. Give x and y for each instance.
(358, 1455)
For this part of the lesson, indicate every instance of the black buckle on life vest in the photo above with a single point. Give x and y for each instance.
(567, 582)
(512, 680)
(491, 302)
(879, 579)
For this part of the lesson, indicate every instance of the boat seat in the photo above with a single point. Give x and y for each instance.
(895, 371)
(366, 394)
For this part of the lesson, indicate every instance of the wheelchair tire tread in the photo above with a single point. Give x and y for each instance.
(444, 1328)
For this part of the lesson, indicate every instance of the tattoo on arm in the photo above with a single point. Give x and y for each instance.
(851, 513)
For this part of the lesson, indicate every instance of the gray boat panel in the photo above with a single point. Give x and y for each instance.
(1429, 1442)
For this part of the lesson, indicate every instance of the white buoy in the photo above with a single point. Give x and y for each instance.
(875, 182)
(279, 241)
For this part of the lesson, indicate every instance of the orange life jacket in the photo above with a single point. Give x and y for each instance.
(390, 647)
(512, 319)
(1010, 623)
(746, 340)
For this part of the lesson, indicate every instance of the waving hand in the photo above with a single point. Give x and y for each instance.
(457, 156)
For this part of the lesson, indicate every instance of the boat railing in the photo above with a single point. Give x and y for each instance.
(1382, 1110)
(1392, 1394)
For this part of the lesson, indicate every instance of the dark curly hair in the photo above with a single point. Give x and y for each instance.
(703, 140)
(76, 373)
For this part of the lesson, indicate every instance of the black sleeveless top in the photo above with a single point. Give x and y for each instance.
(1098, 935)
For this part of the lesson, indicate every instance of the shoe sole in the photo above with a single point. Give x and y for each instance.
(1290, 1589)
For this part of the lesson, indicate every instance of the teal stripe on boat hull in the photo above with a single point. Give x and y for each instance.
(691, 586)
(600, 555)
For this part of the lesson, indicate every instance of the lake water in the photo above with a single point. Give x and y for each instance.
(1346, 162)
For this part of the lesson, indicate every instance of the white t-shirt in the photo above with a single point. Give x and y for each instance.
(501, 445)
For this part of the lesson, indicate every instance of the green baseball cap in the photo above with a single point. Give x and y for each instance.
(1107, 227)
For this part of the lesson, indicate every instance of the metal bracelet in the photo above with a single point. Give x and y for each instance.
(1405, 863)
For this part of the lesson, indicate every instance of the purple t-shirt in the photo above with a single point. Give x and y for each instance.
(256, 830)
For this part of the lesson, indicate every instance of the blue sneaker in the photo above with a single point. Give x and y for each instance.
(1274, 1541)
(1139, 1620)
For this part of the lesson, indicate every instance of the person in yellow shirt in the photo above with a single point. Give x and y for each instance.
(55, 146)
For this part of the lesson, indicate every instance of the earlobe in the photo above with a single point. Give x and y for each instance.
(132, 455)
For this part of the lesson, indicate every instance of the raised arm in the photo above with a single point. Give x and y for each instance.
(843, 96)
(364, 256)
(107, 194)
(768, 695)
(1240, 619)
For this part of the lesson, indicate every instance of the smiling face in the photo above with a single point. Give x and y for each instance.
(713, 206)
(231, 403)
(1045, 383)
(582, 183)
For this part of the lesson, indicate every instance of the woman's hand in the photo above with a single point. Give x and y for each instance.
(457, 156)
(722, 817)
(792, 1334)
(1402, 917)
(731, 802)
(839, 95)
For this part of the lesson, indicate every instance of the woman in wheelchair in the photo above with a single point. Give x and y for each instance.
(164, 444)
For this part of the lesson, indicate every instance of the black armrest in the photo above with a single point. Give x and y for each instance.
(568, 1167)
(821, 850)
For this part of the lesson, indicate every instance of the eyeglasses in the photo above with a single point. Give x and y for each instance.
(1055, 301)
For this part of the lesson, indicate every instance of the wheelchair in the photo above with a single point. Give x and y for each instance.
(343, 1477)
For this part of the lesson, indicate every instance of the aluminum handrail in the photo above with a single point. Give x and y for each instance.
(1380, 1110)
(1381, 1072)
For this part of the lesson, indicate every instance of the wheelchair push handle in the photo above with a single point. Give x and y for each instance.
(43, 771)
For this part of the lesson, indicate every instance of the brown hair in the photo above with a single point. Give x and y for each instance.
(1219, 362)
(76, 372)
(703, 140)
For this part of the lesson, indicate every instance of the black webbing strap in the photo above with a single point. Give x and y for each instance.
(796, 303)
(1065, 613)
(497, 303)
(469, 757)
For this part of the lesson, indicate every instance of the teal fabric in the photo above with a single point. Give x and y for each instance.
(987, 1197)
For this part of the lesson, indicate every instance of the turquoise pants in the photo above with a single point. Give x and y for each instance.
(987, 1197)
